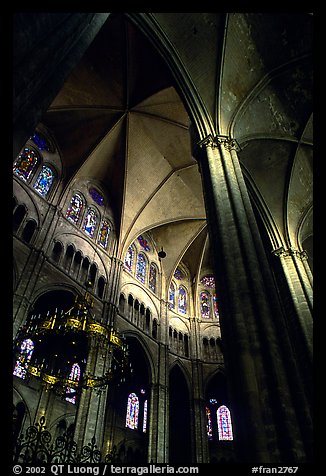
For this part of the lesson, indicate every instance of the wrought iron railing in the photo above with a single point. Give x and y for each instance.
(37, 446)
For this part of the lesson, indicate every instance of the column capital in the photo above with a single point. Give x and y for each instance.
(219, 140)
(291, 251)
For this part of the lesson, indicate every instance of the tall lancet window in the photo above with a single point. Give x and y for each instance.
(132, 411)
(141, 268)
(103, 236)
(74, 377)
(224, 424)
(26, 351)
(90, 222)
(205, 304)
(25, 163)
(182, 300)
(172, 295)
(152, 277)
(44, 181)
(75, 208)
(129, 258)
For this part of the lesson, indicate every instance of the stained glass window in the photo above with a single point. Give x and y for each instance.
(25, 164)
(172, 295)
(40, 141)
(129, 258)
(103, 235)
(141, 268)
(132, 412)
(182, 300)
(224, 424)
(75, 208)
(90, 221)
(205, 304)
(208, 281)
(152, 277)
(96, 196)
(209, 426)
(216, 313)
(26, 351)
(74, 376)
(178, 274)
(145, 417)
(143, 243)
(44, 181)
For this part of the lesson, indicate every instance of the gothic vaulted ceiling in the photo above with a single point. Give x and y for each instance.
(120, 120)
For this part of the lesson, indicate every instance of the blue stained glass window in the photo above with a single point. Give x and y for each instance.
(40, 141)
(178, 274)
(96, 196)
(74, 377)
(103, 235)
(129, 258)
(26, 351)
(172, 295)
(25, 163)
(144, 243)
(205, 304)
(75, 208)
(132, 411)
(141, 268)
(224, 423)
(182, 300)
(44, 181)
(90, 221)
(152, 277)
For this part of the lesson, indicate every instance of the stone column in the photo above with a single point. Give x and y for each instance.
(91, 409)
(45, 405)
(112, 293)
(158, 411)
(261, 368)
(299, 316)
(200, 433)
(90, 417)
(158, 417)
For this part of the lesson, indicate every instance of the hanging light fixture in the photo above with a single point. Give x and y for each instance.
(161, 254)
(77, 324)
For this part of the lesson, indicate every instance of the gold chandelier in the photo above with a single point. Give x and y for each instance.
(76, 323)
